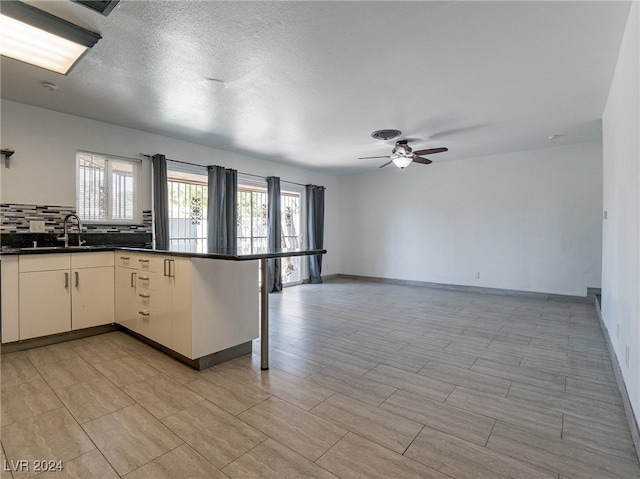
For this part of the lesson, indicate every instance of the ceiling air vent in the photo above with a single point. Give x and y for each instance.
(101, 6)
(386, 134)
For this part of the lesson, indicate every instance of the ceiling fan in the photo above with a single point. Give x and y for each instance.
(402, 155)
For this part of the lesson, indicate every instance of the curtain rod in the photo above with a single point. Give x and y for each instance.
(240, 172)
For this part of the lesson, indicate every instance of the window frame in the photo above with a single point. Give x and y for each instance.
(137, 186)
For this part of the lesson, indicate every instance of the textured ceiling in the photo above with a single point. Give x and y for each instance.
(306, 83)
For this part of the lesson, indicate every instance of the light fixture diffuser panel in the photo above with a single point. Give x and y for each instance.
(34, 46)
(36, 37)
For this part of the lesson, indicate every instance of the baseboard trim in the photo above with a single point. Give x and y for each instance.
(56, 338)
(617, 371)
(590, 298)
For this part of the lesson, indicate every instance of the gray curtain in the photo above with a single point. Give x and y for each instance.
(222, 210)
(274, 233)
(160, 201)
(315, 229)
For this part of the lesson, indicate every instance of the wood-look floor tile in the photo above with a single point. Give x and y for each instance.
(596, 435)
(297, 391)
(161, 396)
(91, 465)
(243, 368)
(458, 422)
(293, 364)
(100, 351)
(50, 354)
(229, 394)
(126, 370)
(464, 460)
(181, 462)
(17, 371)
(27, 400)
(130, 437)
(67, 372)
(53, 435)
(456, 347)
(354, 386)
(272, 460)
(381, 426)
(435, 389)
(354, 457)
(303, 432)
(217, 435)
(597, 411)
(467, 378)
(92, 399)
(508, 410)
(557, 455)
(593, 390)
(552, 382)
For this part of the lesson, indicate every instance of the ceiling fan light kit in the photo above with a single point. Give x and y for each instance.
(402, 161)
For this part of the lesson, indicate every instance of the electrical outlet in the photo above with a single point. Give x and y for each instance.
(36, 226)
(604, 214)
(478, 275)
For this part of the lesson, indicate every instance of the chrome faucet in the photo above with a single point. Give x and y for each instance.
(65, 236)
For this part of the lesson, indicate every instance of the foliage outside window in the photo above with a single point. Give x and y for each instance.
(107, 189)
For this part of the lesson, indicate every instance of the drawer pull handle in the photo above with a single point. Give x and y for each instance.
(143, 260)
(124, 258)
(66, 280)
(144, 278)
(166, 262)
(143, 295)
(144, 313)
(133, 280)
(77, 279)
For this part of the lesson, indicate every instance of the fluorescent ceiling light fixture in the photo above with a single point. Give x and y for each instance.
(36, 37)
(402, 161)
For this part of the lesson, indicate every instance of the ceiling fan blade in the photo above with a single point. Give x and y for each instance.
(387, 163)
(372, 157)
(431, 151)
(424, 161)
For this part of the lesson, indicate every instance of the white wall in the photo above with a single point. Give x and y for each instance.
(621, 230)
(43, 167)
(528, 221)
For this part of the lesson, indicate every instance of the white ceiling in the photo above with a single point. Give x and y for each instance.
(306, 83)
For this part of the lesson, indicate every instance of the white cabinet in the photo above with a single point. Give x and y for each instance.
(145, 286)
(9, 298)
(194, 306)
(60, 292)
(92, 289)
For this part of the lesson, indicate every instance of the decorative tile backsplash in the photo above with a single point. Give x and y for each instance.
(15, 218)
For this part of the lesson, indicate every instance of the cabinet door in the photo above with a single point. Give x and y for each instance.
(126, 300)
(160, 318)
(92, 298)
(45, 303)
(181, 306)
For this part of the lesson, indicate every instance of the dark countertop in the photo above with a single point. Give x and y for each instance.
(225, 255)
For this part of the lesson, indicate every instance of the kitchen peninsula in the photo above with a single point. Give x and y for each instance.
(202, 308)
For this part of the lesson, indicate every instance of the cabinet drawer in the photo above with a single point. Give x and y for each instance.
(44, 262)
(91, 260)
(123, 258)
(147, 299)
(148, 262)
(147, 280)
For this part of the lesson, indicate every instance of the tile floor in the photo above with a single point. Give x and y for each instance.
(367, 380)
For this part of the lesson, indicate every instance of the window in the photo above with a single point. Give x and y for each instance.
(252, 227)
(188, 197)
(108, 189)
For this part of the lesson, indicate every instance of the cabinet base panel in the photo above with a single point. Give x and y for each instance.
(200, 363)
(56, 338)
